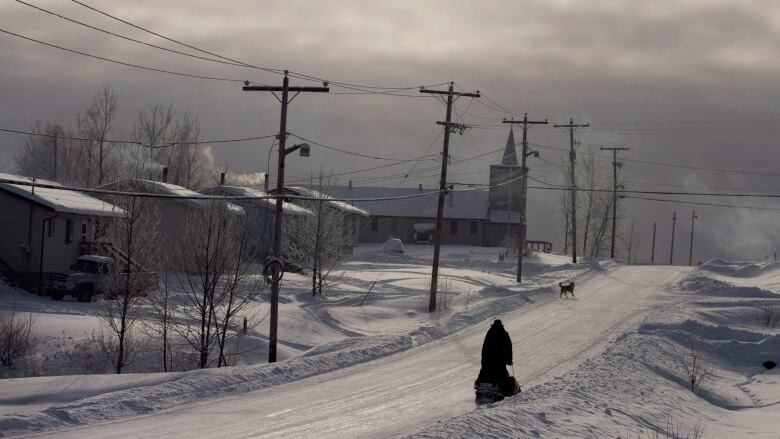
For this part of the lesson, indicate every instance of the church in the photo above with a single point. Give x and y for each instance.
(480, 217)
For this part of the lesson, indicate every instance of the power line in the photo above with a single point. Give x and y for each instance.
(134, 142)
(271, 70)
(358, 87)
(123, 63)
(674, 165)
(697, 203)
(333, 148)
(124, 37)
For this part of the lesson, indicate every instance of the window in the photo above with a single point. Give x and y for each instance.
(454, 227)
(473, 227)
(374, 224)
(394, 224)
(50, 232)
(83, 232)
(68, 231)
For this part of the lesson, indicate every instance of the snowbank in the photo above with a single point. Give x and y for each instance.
(699, 284)
(188, 387)
(629, 391)
(739, 269)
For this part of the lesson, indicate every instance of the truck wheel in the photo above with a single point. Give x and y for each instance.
(56, 295)
(84, 294)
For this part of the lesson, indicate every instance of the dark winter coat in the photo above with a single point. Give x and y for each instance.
(496, 354)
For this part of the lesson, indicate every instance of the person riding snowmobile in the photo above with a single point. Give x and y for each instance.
(496, 356)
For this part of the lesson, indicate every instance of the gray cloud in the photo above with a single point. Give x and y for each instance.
(606, 61)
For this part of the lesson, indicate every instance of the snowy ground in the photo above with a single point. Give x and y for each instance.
(602, 365)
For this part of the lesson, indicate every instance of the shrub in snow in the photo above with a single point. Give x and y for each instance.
(670, 428)
(15, 337)
(768, 315)
(695, 369)
(97, 353)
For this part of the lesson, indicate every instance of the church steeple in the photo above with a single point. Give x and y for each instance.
(504, 193)
(510, 153)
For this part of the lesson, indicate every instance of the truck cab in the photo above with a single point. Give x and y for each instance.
(90, 276)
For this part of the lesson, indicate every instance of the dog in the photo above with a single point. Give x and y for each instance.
(566, 289)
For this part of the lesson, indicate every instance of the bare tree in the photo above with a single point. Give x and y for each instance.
(162, 308)
(565, 213)
(133, 248)
(96, 125)
(191, 163)
(175, 145)
(317, 241)
(242, 284)
(209, 248)
(631, 239)
(47, 153)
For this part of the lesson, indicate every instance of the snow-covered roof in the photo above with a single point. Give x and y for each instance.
(258, 198)
(94, 258)
(158, 187)
(59, 200)
(337, 204)
(458, 205)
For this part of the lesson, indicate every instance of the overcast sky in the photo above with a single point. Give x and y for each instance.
(690, 82)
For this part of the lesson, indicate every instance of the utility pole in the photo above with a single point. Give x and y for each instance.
(572, 159)
(615, 166)
(449, 127)
(671, 251)
(652, 251)
(523, 226)
(690, 252)
(54, 172)
(276, 265)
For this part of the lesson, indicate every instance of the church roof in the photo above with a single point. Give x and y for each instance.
(510, 153)
(471, 205)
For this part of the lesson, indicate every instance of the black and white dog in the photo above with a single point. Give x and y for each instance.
(566, 289)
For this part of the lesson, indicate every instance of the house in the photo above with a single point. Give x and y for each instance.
(174, 212)
(261, 212)
(45, 230)
(476, 217)
(349, 218)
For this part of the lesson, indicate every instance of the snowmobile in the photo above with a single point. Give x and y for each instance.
(488, 393)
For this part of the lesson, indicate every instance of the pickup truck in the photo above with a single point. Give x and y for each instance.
(90, 276)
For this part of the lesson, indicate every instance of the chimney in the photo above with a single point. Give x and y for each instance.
(420, 187)
(165, 174)
(222, 179)
(350, 184)
(265, 182)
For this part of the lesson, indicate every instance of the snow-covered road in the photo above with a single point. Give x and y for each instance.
(407, 391)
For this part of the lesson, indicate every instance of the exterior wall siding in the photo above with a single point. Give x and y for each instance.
(403, 229)
(19, 231)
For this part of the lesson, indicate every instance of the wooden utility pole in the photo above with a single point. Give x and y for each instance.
(449, 127)
(276, 265)
(572, 159)
(54, 169)
(615, 166)
(652, 250)
(523, 226)
(671, 251)
(690, 251)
